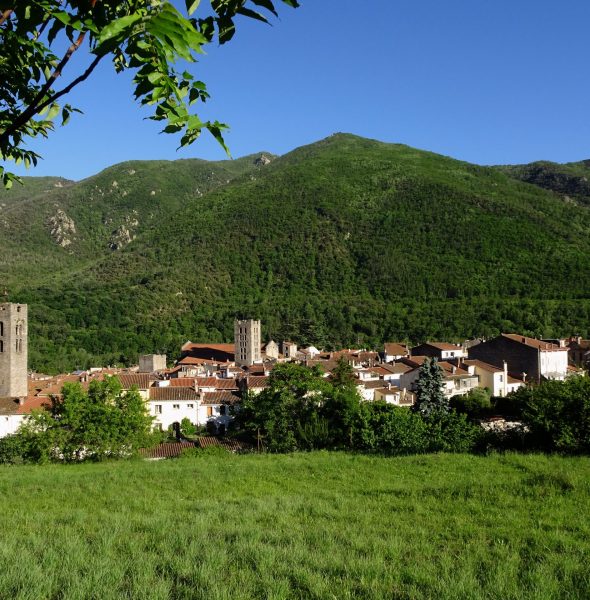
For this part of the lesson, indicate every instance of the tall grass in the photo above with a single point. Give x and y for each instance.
(319, 525)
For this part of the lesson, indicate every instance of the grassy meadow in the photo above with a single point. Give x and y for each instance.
(318, 525)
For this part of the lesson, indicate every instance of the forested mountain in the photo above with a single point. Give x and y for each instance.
(341, 242)
(570, 180)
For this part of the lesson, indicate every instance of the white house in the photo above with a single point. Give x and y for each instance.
(393, 395)
(216, 410)
(456, 381)
(393, 351)
(170, 405)
(14, 411)
(497, 380)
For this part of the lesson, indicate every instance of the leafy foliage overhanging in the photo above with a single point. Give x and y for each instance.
(39, 38)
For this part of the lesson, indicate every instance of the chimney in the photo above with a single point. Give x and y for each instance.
(524, 376)
(21, 401)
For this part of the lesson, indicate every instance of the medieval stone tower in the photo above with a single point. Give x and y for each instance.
(13, 350)
(247, 342)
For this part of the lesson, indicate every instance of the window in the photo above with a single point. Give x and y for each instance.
(1, 328)
(158, 409)
(190, 405)
(176, 406)
(222, 409)
(158, 426)
(1, 346)
(209, 411)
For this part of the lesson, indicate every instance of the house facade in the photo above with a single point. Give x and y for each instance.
(527, 357)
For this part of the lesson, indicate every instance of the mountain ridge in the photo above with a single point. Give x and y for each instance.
(342, 241)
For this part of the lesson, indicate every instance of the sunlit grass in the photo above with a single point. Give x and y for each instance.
(320, 525)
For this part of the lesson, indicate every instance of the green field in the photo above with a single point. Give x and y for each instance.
(318, 525)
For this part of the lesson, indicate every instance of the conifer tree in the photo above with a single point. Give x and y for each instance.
(429, 389)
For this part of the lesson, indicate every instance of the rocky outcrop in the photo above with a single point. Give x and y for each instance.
(262, 160)
(62, 228)
(124, 234)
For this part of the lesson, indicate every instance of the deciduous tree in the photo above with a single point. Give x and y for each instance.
(104, 422)
(39, 37)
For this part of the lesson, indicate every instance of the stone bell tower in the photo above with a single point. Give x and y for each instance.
(13, 350)
(247, 342)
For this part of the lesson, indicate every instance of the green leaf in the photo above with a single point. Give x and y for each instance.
(53, 110)
(247, 12)
(266, 4)
(117, 28)
(215, 130)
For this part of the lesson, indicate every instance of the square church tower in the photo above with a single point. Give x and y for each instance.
(13, 350)
(247, 342)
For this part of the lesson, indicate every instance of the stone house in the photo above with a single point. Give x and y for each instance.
(527, 357)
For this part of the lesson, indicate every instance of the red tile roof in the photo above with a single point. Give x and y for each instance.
(256, 382)
(220, 353)
(394, 349)
(482, 365)
(170, 394)
(12, 406)
(226, 384)
(396, 368)
(189, 346)
(371, 384)
(166, 450)
(141, 380)
(230, 444)
(533, 343)
(224, 397)
(182, 382)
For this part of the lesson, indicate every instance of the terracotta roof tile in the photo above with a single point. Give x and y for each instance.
(166, 450)
(394, 349)
(12, 406)
(230, 444)
(141, 380)
(533, 343)
(482, 365)
(257, 382)
(224, 397)
(170, 394)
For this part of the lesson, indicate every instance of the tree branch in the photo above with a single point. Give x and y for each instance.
(34, 108)
(74, 83)
(5, 15)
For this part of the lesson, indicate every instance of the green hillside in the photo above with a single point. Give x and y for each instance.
(341, 242)
(570, 180)
(53, 227)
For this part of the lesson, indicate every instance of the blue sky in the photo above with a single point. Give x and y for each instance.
(488, 82)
